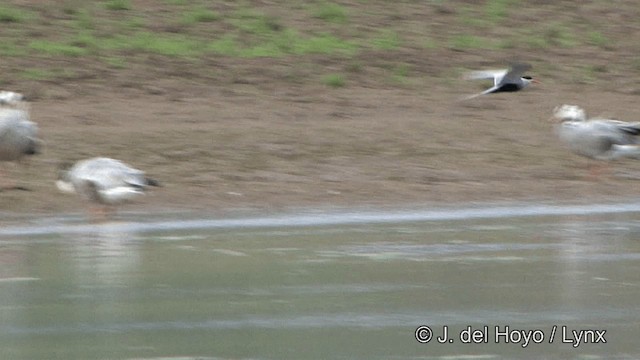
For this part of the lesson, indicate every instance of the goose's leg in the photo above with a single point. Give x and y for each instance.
(7, 182)
(98, 213)
(8, 178)
(599, 169)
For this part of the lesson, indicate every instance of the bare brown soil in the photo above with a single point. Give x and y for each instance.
(215, 149)
(258, 135)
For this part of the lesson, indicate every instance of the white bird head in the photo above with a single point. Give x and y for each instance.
(569, 113)
(10, 98)
(14, 100)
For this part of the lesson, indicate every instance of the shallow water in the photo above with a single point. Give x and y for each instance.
(344, 285)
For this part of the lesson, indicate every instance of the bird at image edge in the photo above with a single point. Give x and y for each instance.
(18, 134)
(596, 138)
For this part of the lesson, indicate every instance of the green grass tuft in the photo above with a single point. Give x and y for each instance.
(497, 10)
(164, 44)
(115, 62)
(354, 67)
(226, 45)
(135, 22)
(36, 74)
(331, 12)
(257, 23)
(45, 74)
(323, 44)
(596, 38)
(559, 35)
(386, 40)
(85, 39)
(400, 74)
(117, 5)
(57, 48)
(465, 42)
(287, 42)
(199, 15)
(429, 43)
(10, 14)
(334, 80)
(469, 17)
(83, 20)
(8, 48)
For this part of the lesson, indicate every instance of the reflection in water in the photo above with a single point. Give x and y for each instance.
(356, 290)
(106, 256)
(591, 258)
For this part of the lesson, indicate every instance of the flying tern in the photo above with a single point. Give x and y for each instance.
(504, 80)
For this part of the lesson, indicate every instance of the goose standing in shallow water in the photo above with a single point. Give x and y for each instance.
(18, 135)
(599, 139)
(104, 181)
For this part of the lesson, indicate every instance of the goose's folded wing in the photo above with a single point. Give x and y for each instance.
(629, 128)
(614, 126)
(617, 132)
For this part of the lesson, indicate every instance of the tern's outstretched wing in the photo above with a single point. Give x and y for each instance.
(496, 75)
(515, 73)
(489, 90)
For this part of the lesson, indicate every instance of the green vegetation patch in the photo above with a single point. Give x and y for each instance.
(497, 10)
(112, 31)
(334, 80)
(45, 74)
(164, 44)
(10, 14)
(115, 62)
(255, 23)
(465, 42)
(83, 20)
(117, 5)
(560, 35)
(386, 40)
(57, 48)
(198, 15)
(596, 38)
(331, 12)
(10, 48)
(288, 42)
(323, 44)
(400, 74)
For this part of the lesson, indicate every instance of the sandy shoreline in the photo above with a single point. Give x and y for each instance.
(137, 222)
(349, 148)
(224, 132)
